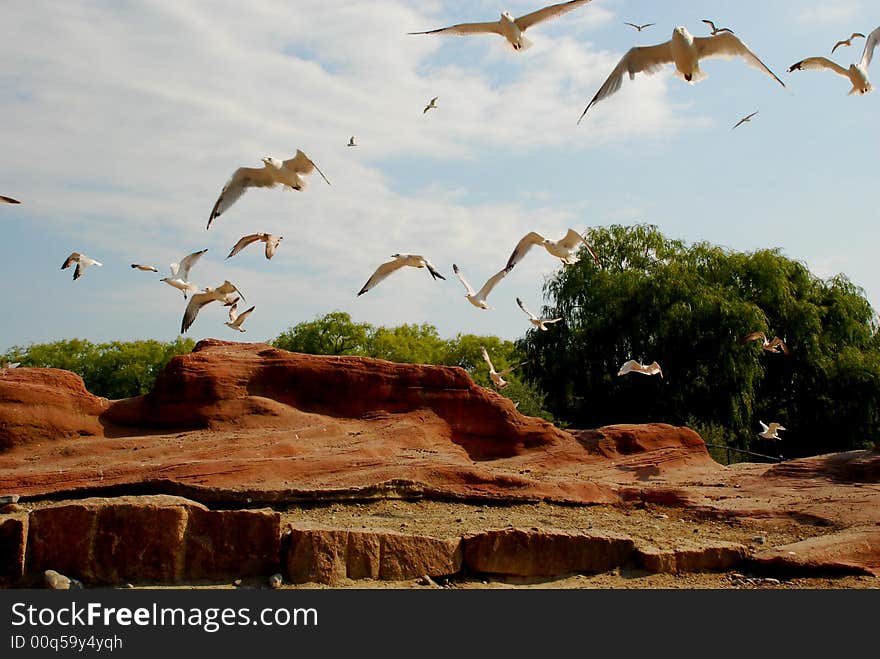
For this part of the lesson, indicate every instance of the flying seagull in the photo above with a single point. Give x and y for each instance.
(430, 106)
(11, 365)
(288, 173)
(271, 241)
(509, 27)
(180, 285)
(145, 268)
(717, 30)
(220, 294)
(398, 261)
(82, 262)
(9, 200)
(776, 345)
(498, 378)
(639, 28)
(540, 323)
(633, 366)
(351, 141)
(771, 431)
(847, 42)
(857, 74)
(564, 249)
(745, 119)
(181, 269)
(685, 52)
(478, 299)
(236, 320)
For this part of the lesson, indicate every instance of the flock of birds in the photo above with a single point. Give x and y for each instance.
(683, 50)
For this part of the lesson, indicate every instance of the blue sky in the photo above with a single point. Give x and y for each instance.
(121, 121)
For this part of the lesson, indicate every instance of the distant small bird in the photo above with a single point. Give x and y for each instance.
(540, 323)
(271, 241)
(745, 119)
(236, 320)
(145, 268)
(564, 249)
(10, 365)
(288, 173)
(509, 27)
(478, 299)
(776, 345)
(498, 378)
(633, 366)
(639, 28)
(430, 106)
(717, 30)
(857, 74)
(221, 293)
(847, 42)
(351, 141)
(398, 261)
(771, 431)
(9, 200)
(82, 262)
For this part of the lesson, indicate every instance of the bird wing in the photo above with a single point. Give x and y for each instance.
(433, 271)
(233, 314)
(845, 42)
(745, 119)
(381, 273)
(463, 280)
(633, 25)
(9, 200)
(523, 246)
(641, 59)
(70, 260)
(709, 23)
(196, 302)
(483, 293)
(242, 179)
(239, 321)
(816, 63)
(523, 307)
(463, 29)
(227, 288)
(753, 336)
(509, 369)
(764, 426)
(572, 239)
(186, 264)
(778, 343)
(627, 367)
(145, 268)
(552, 11)
(729, 45)
(244, 241)
(302, 164)
(868, 53)
(486, 358)
(272, 245)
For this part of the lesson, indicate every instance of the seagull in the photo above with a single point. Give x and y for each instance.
(683, 50)
(639, 28)
(633, 366)
(540, 323)
(498, 378)
(288, 173)
(771, 431)
(9, 200)
(181, 270)
(509, 27)
(776, 345)
(717, 30)
(271, 241)
(11, 365)
(351, 141)
(847, 42)
(82, 262)
(220, 294)
(180, 285)
(430, 106)
(745, 119)
(563, 249)
(236, 320)
(145, 268)
(856, 73)
(479, 299)
(399, 261)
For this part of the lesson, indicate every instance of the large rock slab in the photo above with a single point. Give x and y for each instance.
(852, 551)
(709, 556)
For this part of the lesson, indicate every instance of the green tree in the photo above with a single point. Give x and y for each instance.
(332, 334)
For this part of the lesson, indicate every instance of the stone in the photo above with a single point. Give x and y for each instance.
(13, 544)
(708, 556)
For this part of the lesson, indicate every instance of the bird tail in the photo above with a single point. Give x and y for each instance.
(435, 274)
(525, 42)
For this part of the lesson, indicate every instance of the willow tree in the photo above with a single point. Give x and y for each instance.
(688, 307)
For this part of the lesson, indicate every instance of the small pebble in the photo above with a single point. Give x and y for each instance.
(57, 581)
(276, 581)
(9, 498)
(760, 539)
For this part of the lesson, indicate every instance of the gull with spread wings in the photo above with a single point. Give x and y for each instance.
(236, 319)
(684, 51)
(564, 249)
(144, 268)
(716, 30)
(288, 173)
(399, 261)
(540, 323)
(776, 345)
(639, 28)
(745, 119)
(271, 241)
(847, 42)
(509, 27)
(498, 378)
(82, 262)
(179, 278)
(220, 294)
(771, 431)
(632, 366)
(478, 299)
(857, 74)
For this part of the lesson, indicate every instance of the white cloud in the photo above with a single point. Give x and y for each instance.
(836, 12)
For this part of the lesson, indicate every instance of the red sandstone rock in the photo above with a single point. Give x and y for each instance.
(223, 543)
(854, 551)
(708, 557)
(13, 537)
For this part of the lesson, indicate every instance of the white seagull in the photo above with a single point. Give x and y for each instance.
(771, 431)
(776, 345)
(398, 261)
(271, 241)
(288, 173)
(745, 119)
(82, 262)
(478, 299)
(220, 294)
(431, 105)
(564, 249)
(847, 42)
(683, 50)
(498, 378)
(11, 365)
(180, 285)
(857, 74)
(144, 268)
(639, 28)
(633, 366)
(9, 200)
(236, 320)
(717, 30)
(540, 323)
(509, 27)
(179, 278)
(351, 142)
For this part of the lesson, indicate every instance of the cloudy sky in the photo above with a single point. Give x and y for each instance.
(122, 119)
